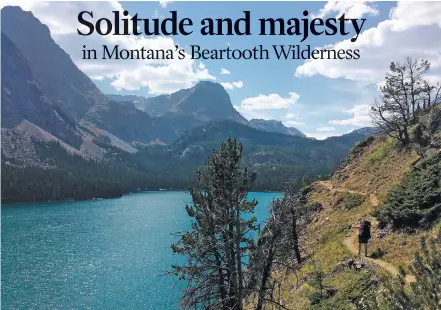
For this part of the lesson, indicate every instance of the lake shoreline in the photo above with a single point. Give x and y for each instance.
(12, 203)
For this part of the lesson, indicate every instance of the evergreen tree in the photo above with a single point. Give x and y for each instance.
(221, 235)
(316, 281)
(416, 202)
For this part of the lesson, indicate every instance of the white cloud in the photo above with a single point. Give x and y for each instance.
(163, 3)
(224, 71)
(97, 78)
(326, 129)
(272, 101)
(161, 76)
(433, 79)
(360, 116)
(238, 84)
(291, 120)
(352, 9)
(292, 123)
(318, 136)
(160, 80)
(409, 31)
(291, 116)
(232, 85)
(289, 112)
(255, 114)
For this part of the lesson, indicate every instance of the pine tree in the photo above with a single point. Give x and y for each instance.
(395, 111)
(316, 281)
(221, 236)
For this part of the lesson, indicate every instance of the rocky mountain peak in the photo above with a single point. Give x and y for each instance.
(64, 84)
(206, 101)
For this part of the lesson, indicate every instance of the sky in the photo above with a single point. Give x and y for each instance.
(319, 97)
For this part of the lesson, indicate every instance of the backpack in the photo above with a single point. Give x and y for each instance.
(365, 230)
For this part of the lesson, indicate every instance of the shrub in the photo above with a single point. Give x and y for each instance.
(364, 143)
(314, 206)
(352, 200)
(417, 201)
(354, 288)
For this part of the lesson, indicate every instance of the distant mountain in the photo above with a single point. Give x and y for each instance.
(185, 109)
(55, 120)
(120, 120)
(123, 120)
(275, 126)
(206, 101)
(24, 99)
(277, 157)
(214, 133)
(71, 91)
(367, 131)
(138, 101)
(64, 84)
(132, 98)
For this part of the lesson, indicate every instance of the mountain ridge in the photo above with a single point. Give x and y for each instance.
(162, 150)
(275, 126)
(207, 101)
(33, 105)
(56, 78)
(70, 90)
(142, 103)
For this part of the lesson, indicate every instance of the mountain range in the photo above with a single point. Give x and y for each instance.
(203, 103)
(47, 100)
(275, 126)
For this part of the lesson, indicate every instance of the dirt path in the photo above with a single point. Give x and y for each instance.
(351, 243)
(328, 184)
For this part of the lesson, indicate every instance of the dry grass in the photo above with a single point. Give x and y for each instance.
(378, 170)
(400, 247)
(325, 241)
(374, 173)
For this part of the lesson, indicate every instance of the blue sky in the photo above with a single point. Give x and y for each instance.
(325, 99)
(322, 98)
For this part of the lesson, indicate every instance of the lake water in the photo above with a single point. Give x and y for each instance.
(102, 254)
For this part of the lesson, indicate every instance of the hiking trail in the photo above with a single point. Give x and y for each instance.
(351, 242)
(328, 184)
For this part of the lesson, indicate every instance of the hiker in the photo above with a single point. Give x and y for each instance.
(364, 234)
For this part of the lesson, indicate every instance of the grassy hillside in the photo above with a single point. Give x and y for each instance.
(373, 169)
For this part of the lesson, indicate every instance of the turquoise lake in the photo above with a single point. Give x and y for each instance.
(100, 254)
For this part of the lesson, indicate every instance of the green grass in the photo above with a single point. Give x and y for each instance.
(381, 152)
(352, 200)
